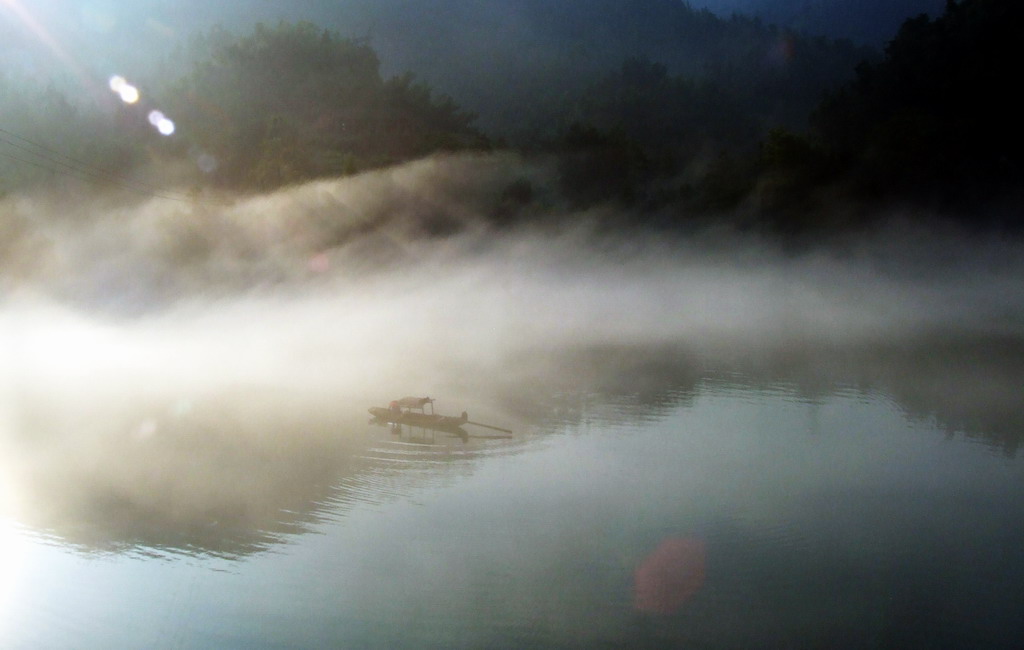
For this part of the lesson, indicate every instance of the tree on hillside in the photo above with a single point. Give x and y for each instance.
(939, 119)
(294, 102)
(640, 129)
(666, 114)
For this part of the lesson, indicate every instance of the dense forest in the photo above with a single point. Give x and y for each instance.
(735, 119)
(934, 124)
(295, 102)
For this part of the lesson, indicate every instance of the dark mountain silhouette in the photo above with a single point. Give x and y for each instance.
(654, 103)
(509, 61)
(936, 123)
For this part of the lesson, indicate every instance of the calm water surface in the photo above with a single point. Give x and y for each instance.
(727, 513)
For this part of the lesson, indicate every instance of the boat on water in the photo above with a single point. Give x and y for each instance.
(412, 411)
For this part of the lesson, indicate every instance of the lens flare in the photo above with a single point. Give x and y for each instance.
(129, 93)
(670, 575)
(165, 127)
(39, 31)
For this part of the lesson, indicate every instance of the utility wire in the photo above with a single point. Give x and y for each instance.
(80, 169)
(84, 173)
(76, 162)
(26, 162)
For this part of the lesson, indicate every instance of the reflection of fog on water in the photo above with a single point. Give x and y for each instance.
(214, 476)
(230, 473)
(196, 377)
(967, 386)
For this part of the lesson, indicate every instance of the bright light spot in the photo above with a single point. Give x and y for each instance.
(160, 121)
(65, 351)
(129, 93)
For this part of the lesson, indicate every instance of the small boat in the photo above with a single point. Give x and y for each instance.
(412, 411)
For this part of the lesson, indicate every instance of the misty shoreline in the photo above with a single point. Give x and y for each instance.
(332, 286)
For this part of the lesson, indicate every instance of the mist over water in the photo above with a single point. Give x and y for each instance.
(181, 365)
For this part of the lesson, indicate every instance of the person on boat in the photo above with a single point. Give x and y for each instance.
(394, 407)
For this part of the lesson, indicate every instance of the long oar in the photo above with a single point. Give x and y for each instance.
(488, 426)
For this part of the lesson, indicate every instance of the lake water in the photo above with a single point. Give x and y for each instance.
(718, 441)
(824, 498)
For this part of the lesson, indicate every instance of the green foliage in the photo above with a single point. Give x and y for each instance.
(640, 124)
(726, 183)
(414, 122)
(671, 117)
(938, 119)
(793, 169)
(640, 127)
(294, 102)
(597, 166)
(552, 51)
(280, 159)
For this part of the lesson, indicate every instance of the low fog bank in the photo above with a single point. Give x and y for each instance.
(194, 364)
(428, 237)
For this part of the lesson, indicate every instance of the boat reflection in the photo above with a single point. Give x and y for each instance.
(412, 413)
(426, 435)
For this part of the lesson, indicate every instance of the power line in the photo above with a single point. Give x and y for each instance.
(26, 162)
(84, 173)
(81, 169)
